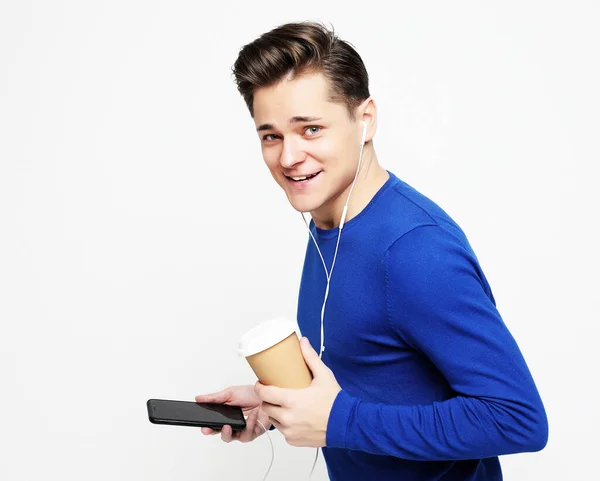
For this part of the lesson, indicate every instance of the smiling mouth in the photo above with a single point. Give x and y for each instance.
(303, 178)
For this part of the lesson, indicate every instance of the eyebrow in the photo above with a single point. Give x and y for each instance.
(293, 120)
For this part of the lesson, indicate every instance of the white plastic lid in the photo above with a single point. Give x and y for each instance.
(265, 335)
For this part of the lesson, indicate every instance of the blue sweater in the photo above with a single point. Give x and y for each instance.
(434, 386)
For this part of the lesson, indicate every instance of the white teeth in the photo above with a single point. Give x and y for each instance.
(303, 178)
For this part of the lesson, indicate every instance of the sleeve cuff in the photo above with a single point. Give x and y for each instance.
(339, 418)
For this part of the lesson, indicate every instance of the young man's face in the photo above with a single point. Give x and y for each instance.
(304, 134)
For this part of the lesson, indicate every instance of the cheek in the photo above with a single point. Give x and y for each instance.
(336, 151)
(271, 156)
(334, 157)
(324, 153)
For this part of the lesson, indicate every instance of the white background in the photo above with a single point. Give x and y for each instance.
(141, 233)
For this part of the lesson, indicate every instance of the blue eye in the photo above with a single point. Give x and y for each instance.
(312, 129)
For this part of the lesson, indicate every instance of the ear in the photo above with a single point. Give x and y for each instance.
(367, 113)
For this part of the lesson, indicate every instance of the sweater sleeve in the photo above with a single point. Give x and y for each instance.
(439, 303)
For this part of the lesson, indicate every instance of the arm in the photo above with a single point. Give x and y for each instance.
(437, 302)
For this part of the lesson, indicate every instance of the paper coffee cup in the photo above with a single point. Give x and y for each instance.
(273, 351)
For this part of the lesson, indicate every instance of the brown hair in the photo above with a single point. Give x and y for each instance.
(297, 48)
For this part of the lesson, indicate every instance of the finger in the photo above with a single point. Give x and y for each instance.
(227, 433)
(274, 412)
(312, 359)
(207, 431)
(215, 397)
(247, 434)
(271, 394)
(275, 423)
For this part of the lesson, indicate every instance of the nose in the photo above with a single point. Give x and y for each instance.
(291, 153)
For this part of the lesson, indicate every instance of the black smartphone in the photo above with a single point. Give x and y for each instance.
(189, 413)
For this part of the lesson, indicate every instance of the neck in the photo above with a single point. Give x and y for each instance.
(370, 179)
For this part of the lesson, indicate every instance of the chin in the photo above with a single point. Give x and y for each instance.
(304, 204)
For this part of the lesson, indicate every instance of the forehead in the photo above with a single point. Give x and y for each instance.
(307, 94)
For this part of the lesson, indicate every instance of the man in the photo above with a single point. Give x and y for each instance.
(420, 378)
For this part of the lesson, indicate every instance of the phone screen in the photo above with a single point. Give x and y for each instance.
(195, 413)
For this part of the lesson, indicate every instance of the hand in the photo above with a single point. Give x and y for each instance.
(301, 415)
(246, 398)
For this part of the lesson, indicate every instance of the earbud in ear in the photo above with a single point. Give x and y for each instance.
(364, 133)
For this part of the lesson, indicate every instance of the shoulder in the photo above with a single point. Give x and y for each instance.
(430, 263)
(411, 218)
(429, 242)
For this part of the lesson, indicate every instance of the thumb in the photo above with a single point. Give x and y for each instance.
(312, 359)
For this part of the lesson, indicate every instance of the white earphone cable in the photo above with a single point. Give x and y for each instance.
(318, 250)
(341, 226)
(272, 449)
